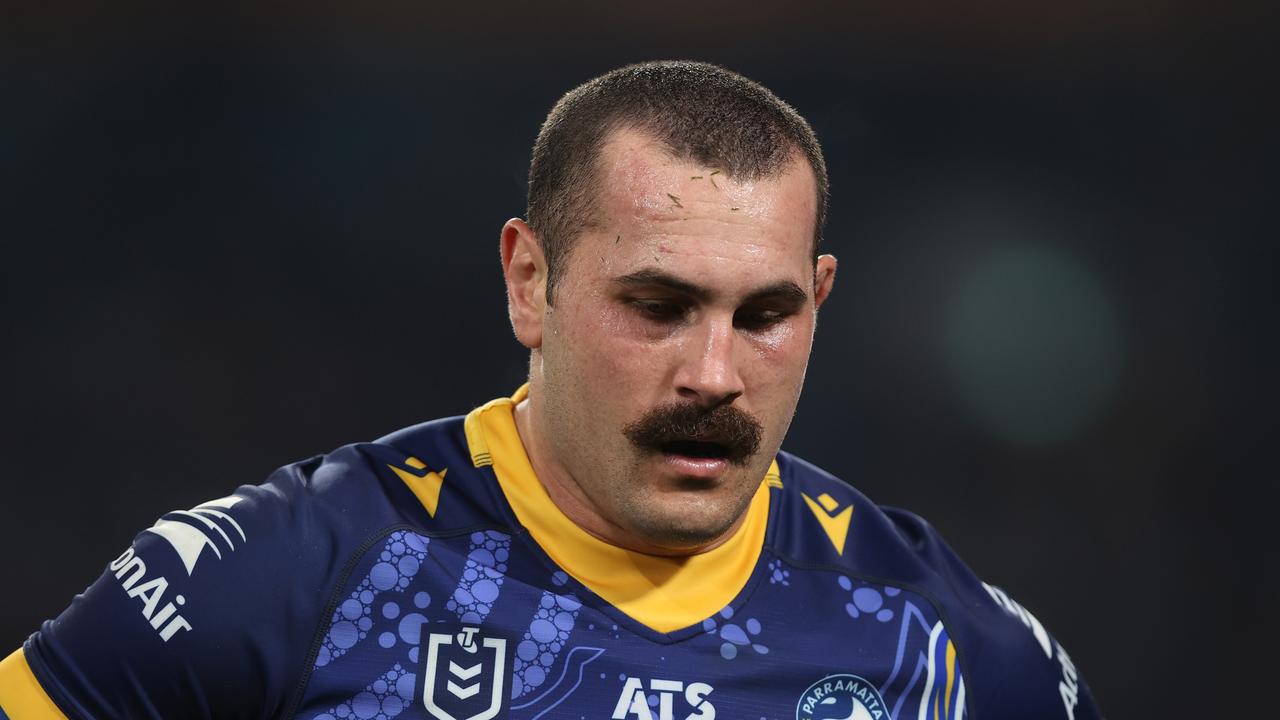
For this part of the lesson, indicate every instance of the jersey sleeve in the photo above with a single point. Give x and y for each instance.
(1013, 667)
(208, 613)
(21, 696)
(1041, 674)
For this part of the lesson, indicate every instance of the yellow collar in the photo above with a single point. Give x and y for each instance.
(663, 593)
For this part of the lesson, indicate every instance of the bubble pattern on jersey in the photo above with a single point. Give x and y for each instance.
(482, 576)
(398, 562)
(734, 635)
(382, 699)
(547, 635)
(407, 627)
(778, 573)
(867, 600)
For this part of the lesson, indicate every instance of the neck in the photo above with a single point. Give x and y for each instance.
(568, 496)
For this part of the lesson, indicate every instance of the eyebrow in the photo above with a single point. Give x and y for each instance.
(783, 289)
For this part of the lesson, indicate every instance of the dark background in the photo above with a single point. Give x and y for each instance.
(236, 237)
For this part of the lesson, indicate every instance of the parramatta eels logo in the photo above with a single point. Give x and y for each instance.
(841, 697)
(465, 677)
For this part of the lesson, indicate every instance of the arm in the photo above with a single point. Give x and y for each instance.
(1038, 675)
(208, 613)
(1013, 667)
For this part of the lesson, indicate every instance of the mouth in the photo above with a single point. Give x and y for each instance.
(698, 449)
(696, 442)
(695, 461)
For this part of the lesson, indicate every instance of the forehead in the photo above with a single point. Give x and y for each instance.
(645, 189)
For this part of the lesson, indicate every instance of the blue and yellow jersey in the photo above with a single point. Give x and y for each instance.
(428, 575)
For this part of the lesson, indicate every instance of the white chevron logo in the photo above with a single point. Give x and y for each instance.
(463, 693)
(459, 691)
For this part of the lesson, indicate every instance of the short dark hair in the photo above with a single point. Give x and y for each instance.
(700, 111)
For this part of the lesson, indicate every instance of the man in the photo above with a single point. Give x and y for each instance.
(621, 538)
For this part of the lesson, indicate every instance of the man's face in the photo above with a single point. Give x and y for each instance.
(673, 358)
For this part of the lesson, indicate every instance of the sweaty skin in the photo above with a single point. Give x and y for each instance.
(687, 288)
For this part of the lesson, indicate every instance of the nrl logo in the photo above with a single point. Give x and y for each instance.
(465, 676)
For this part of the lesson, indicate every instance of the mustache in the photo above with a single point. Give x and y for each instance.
(723, 431)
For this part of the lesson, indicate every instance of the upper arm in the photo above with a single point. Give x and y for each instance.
(1013, 666)
(208, 613)
(1023, 670)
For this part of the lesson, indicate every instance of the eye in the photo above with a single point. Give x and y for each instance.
(758, 318)
(659, 310)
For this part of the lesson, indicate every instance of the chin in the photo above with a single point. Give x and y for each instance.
(683, 539)
(684, 523)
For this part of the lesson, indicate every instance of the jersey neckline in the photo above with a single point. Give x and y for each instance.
(664, 594)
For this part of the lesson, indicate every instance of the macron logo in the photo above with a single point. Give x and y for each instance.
(202, 526)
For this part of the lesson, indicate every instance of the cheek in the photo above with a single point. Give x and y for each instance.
(777, 344)
(603, 350)
(781, 354)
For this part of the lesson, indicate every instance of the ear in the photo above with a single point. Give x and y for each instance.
(824, 276)
(525, 270)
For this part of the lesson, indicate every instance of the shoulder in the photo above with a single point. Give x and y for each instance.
(1012, 666)
(213, 610)
(824, 520)
(189, 619)
(422, 477)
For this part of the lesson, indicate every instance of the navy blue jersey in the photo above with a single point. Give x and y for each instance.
(429, 575)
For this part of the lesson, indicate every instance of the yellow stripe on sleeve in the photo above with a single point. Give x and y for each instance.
(951, 677)
(21, 697)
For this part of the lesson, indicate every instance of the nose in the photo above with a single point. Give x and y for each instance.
(709, 373)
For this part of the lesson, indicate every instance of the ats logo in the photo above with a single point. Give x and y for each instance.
(465, 676)
(634, 704)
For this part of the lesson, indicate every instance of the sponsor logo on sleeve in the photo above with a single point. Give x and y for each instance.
(1069, 686)
(188, 532)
